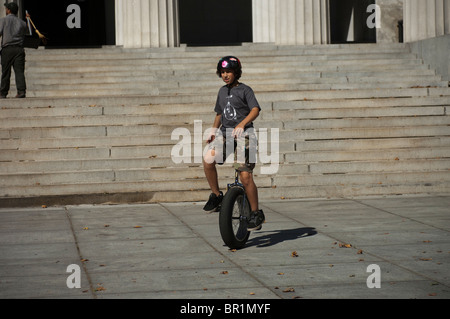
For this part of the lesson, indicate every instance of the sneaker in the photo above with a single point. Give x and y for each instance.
(213, 202)
(256, 220)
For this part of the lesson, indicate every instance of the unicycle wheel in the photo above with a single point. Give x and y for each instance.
(233, 218)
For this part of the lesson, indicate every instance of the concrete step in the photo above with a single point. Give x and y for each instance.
(129, 88)
(208, 77)
(306, 192)
(365, 133)
(356, 120)
(122, 173)
(423, 95)
(358, 155)
(317, 133)
(293, 148)
(425, 77)
(186, 79)
(313, 174)
(202, 59)
(283, 109)
(380, 144)
(432, 116)
(381, 166)
(291, 152)
(47, 137)
(404, 178)
(346, 191)
(76, 165)
(250, 65)
(248, 61)
(415, 104)
(263, 95)
(114, 71)
(104, 183)
(206, 52)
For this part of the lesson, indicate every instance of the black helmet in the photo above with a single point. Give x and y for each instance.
(230, 62)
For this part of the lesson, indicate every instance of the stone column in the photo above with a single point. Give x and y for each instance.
(263, 12)
(147, 23)
(291, 22)
(302, 22)
(426, 19)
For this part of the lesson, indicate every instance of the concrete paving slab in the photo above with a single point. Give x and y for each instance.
(51, 286)
(392, 290)
(35, 236)
(174, 251)
(179, 279)
(247, 293)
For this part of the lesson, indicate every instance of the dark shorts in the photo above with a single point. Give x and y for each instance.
(243, 148)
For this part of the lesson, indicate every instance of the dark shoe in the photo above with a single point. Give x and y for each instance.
(256, 220)
(213, 203)
(21, 95)
(2, 96)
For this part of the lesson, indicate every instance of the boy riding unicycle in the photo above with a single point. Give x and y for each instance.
(233, 133)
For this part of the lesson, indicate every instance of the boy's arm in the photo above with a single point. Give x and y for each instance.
(217, 121)
(240, 128)
(216, 125)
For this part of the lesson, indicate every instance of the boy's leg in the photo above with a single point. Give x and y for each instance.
(257, 217)
(209, 166)
(211, 176)
(251, 189)
(246, 147)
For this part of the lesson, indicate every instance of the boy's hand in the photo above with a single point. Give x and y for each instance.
(238, 130)
(211, 136)
(210, 139)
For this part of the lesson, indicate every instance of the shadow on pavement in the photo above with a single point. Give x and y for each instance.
(278, 236)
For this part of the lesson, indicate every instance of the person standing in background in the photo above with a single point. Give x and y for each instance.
(12, 32)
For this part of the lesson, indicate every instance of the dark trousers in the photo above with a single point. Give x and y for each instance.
(13, 57)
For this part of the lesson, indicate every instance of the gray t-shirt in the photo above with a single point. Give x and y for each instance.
(235, 105)
(12, 31)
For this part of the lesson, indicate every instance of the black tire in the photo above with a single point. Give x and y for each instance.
(233, 228)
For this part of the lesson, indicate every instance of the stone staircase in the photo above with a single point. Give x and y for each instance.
(353, 120)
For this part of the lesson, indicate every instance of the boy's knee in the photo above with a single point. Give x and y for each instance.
(209, 159)
(246, 178)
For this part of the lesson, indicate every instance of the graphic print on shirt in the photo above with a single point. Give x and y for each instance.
(229, 112)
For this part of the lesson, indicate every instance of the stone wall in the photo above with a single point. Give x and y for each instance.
(435, 52)
(391, 14)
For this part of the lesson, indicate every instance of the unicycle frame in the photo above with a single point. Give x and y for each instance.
(236, 181)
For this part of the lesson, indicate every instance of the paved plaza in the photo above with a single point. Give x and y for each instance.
(321, 249)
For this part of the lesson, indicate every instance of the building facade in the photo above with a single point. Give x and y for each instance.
(170, 23)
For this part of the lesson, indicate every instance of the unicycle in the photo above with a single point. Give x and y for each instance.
(234, 215)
